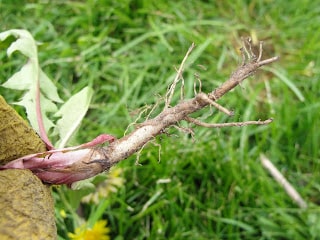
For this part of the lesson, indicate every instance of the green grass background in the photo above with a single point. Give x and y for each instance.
(128, 50)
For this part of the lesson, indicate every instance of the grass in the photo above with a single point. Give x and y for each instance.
(213, 187)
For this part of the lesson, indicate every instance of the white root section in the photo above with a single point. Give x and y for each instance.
(146, 131)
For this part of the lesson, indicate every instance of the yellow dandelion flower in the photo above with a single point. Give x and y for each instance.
(98, 232)
(78, 234)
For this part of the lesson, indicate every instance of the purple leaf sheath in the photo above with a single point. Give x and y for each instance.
(66, 165)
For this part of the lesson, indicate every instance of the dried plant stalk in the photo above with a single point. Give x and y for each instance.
(276, 174)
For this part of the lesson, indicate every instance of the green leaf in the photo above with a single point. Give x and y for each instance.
(48, 88)
(30, 77)
(21, 80)
(30, 106)
(24, 43)
(71, 113)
